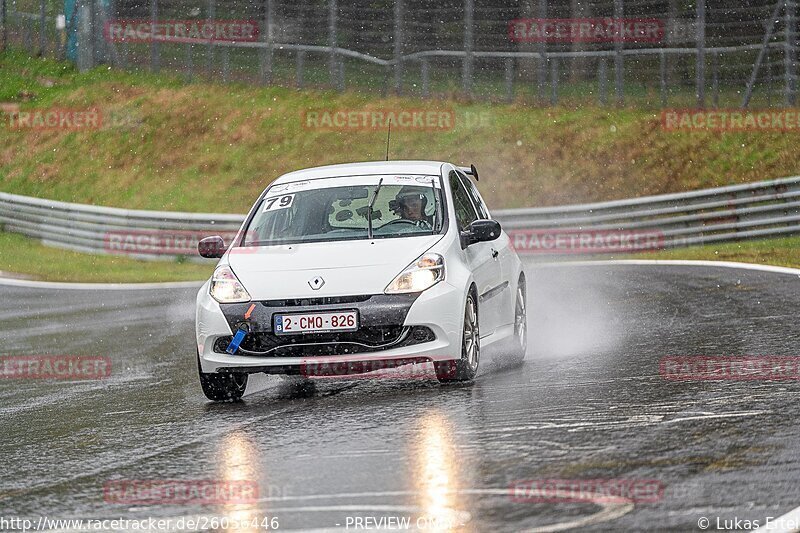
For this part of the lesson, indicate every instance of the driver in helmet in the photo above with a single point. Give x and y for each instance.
(411, 203)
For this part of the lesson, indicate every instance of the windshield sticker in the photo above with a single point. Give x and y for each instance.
(278, 202)
(349, 181)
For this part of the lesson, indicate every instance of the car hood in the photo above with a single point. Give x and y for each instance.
(347, 267)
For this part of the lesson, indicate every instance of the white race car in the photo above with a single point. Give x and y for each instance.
(357, 267)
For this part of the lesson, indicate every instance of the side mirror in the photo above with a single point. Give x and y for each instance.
(212, 247)
(474, 172)
(481, 231)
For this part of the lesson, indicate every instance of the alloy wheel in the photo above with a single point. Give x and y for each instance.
(472, 348)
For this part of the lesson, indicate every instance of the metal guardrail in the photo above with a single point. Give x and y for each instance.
(737, 212)
(111, 230)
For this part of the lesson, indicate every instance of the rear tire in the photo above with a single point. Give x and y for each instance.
(466, 368)
(222, 387)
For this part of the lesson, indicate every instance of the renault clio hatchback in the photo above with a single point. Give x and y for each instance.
(361, 266)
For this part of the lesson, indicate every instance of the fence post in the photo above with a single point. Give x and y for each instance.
(124, 54)
(602, 77)
(42, 27)
(154, 59)
(715, 79)
(189, 62)
(212, 9)
(102, 51)
(791, 53)
(333, 65)
(60, 46)
(701, 53)
(469, 41)
(509, 79)
(751, 83)
(541, 78)
(226, 64)
(299, 71)
(386, 86)
(340, 71)
(619, 66)
(27, 38)
(769, 79)
(662, 63)
(85, 36)
(398, 46)
(71, 23)
(266, 52)
(426, 78)
(554, 81)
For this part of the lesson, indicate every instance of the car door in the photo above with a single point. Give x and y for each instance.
(504, 256)
(484, 266)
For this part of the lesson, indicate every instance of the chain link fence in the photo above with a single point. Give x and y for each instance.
(704, 53)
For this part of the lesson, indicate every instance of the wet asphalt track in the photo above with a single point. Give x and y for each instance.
(588, 403)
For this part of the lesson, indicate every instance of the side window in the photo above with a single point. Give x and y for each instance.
(465, 212)
(472, 191)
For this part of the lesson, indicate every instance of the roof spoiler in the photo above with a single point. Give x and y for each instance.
(471, 171)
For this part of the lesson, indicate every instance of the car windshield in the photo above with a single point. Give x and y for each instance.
(338, 209)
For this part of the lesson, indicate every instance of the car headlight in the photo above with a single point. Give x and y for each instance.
(226, 288)
(422, 274)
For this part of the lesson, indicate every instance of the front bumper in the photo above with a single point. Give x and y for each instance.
(415, 327)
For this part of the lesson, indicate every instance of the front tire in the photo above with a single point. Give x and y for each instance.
(466, 368)
(222, 387)
(520, 342)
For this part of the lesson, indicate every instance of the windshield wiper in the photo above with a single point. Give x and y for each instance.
(369, 208)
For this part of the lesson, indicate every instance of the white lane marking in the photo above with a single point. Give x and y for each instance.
(99, 286)
(609, 510)
(676, 262)
(788, 523)
(710, 416)
(607, 513)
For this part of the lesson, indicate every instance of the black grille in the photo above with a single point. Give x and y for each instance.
(369, 339)
(329, 300)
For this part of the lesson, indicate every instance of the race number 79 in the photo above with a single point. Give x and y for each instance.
(278, 202)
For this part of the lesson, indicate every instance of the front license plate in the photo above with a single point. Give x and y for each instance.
(316, 322)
